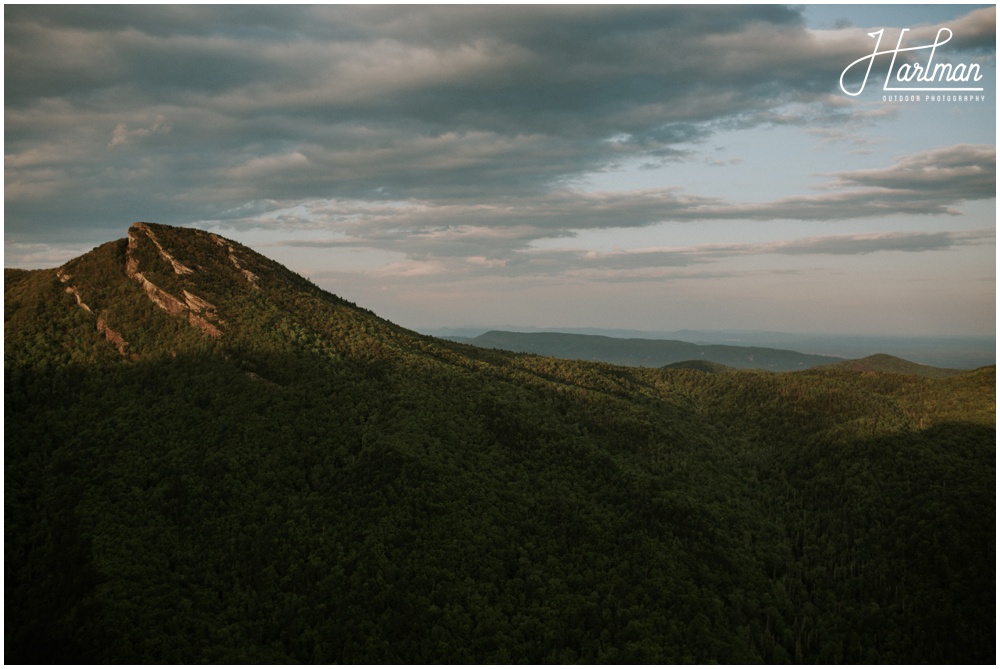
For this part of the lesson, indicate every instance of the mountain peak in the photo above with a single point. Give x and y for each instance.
(182, 271)
(165, 289)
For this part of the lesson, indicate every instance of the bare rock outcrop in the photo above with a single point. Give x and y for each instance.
(160, 297)
(204, 325)
(195, 303)
(102, 325)
(72, 290)
(112, 336)
(250, 276)
(193, 307)
(142, 228)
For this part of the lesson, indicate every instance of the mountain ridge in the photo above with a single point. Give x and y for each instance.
(317, 484)
(647, 352)
(948, 351)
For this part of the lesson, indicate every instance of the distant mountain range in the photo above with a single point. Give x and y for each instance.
(680, 354)
(958, 352)
(646, 352)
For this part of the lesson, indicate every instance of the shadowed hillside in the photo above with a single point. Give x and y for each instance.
(208, 459)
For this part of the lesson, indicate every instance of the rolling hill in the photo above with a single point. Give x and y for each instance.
(891, 364)
(208, 459)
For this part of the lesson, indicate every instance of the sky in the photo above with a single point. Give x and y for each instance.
(650, 167)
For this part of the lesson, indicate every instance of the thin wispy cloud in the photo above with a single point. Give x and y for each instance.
(923, 184)
(652, 263)
(556, 261)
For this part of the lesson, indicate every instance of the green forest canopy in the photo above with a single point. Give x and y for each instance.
(316, 484)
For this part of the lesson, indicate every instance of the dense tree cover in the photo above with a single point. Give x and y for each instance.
(319, 485)
(882, 362)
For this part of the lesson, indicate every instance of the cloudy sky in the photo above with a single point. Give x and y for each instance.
(648, 167)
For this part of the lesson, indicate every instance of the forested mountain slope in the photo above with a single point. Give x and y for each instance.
(209, 459)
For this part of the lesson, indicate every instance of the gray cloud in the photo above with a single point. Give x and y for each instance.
(950, 174)
(926, 183)
(194, 113)
(976, 31)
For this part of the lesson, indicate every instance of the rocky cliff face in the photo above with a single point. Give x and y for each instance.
(199, 312)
